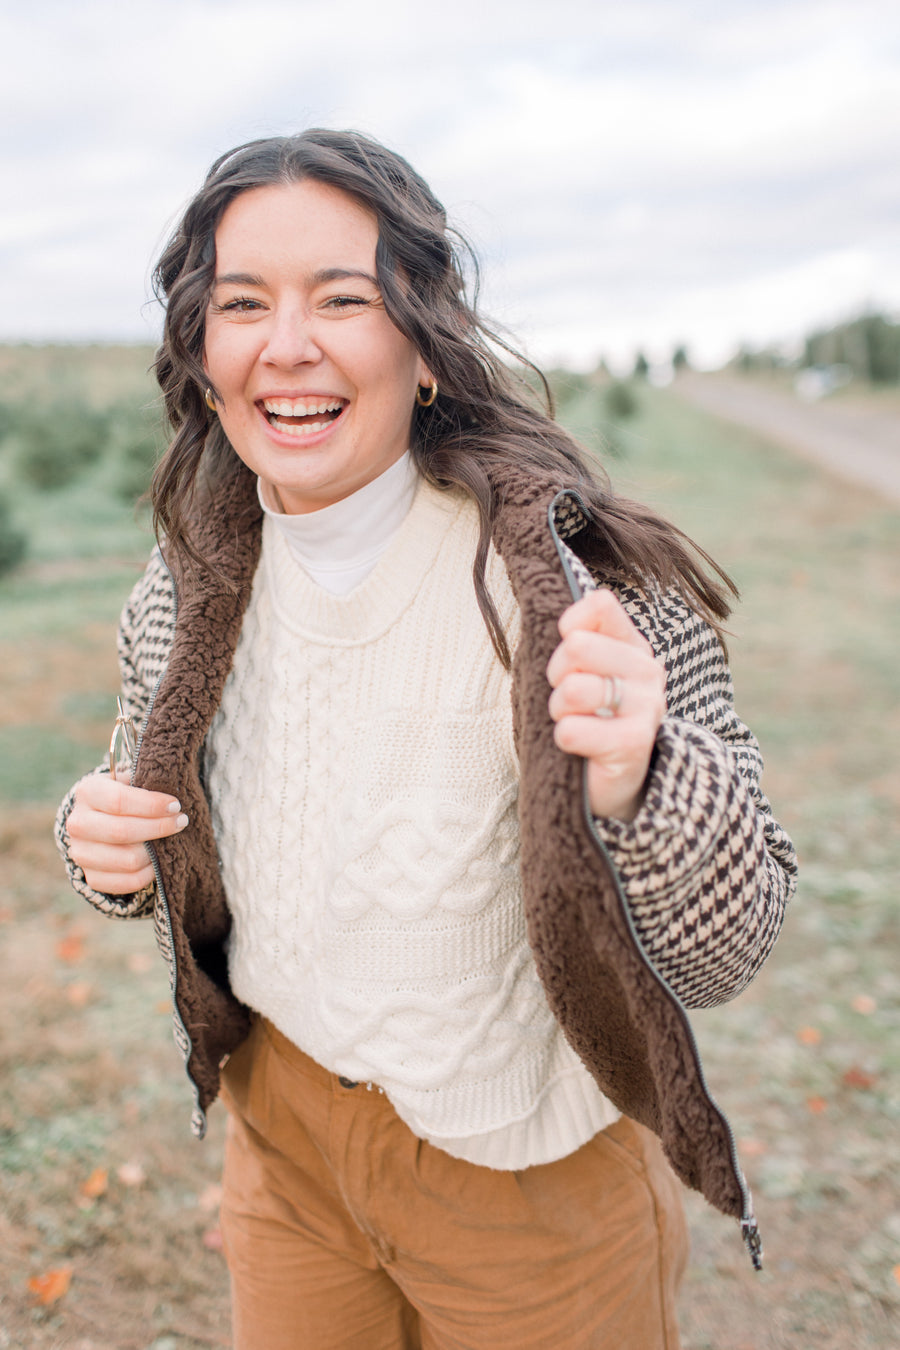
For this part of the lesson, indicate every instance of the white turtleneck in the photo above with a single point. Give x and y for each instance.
(338, 545)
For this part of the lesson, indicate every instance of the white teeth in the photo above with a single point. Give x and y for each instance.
(300, 407)
(306, 430)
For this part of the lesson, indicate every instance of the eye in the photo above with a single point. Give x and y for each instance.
(241, 304)
(345, 303)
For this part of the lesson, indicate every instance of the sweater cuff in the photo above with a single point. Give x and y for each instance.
(673, 833)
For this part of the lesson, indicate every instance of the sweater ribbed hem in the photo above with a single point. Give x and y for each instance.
(570, 1111)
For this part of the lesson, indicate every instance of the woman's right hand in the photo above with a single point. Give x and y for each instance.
(108, 827)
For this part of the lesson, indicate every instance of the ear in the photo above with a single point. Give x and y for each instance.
(425, 377)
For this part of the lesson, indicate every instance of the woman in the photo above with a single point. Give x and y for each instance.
(436, 865)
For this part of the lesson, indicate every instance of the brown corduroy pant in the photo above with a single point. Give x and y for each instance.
(343, 1231)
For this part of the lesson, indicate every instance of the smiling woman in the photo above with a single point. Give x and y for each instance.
(314, 385)
(439, 790)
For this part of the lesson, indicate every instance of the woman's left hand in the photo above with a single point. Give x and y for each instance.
(603, 660)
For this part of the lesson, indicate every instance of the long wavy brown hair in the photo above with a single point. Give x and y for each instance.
(485, 417)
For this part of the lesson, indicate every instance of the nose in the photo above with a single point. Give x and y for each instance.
(290, 341)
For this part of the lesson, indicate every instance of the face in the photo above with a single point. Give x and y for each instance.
(316, 386)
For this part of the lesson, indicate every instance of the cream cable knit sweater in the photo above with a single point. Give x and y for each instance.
(363, 785)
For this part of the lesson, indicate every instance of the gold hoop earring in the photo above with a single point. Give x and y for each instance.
(210, 401)
(429, 399)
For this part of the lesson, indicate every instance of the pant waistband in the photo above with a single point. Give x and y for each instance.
(303, 1063)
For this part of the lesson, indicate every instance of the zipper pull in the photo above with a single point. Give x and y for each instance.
(752, 1239)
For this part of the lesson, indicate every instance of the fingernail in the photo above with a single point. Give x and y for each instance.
(173, 808)
(181, 822)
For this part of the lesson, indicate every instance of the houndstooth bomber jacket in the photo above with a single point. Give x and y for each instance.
(630, 923)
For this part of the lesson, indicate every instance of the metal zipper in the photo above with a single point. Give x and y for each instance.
(749, 1226)
(198, 1115)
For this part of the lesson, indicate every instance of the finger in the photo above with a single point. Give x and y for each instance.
(586, 694)
(609, 696)
(597, 654)
(124, 858)
(617, 753)
(616, 743)
(602, 612)
(87, 824)
(102, 793)
(119, 883)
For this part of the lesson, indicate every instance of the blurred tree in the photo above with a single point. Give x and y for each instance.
(766, 358)
(641, 367)
(884, 349)
(680, 358)
(868, 344)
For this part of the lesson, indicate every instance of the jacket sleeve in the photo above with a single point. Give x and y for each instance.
(706, 869)
(144, 637)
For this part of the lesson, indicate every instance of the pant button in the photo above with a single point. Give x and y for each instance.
(347, 1083)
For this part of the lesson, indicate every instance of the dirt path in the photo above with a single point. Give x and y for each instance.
(854, 437)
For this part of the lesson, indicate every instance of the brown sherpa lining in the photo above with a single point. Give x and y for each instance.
(618, 1016)
(207, 629)
(628, 1029)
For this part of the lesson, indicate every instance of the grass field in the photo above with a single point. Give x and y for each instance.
(99, 1176)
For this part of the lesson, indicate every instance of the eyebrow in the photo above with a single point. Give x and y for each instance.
(320, 278)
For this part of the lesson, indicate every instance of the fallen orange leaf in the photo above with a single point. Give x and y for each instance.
(52, 1285)
(865, 1004)
(79, 993)
(95, 1185)
(817, 1105)
(897, 1274)
(856, 1077)
(212, 1239)
(163, 1006)
(809, 1035)
(70, 948)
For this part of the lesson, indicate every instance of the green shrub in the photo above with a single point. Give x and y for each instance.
(55, 442)
(620, 401)
(12, 540)
(8, 419)
(136, 441)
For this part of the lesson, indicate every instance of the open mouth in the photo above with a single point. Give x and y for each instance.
(302, 416)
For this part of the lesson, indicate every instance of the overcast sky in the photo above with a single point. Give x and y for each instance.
(634, 173)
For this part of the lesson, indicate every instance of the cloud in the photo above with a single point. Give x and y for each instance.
(633, 173)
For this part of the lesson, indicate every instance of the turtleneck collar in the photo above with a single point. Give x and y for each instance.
(339, 545)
